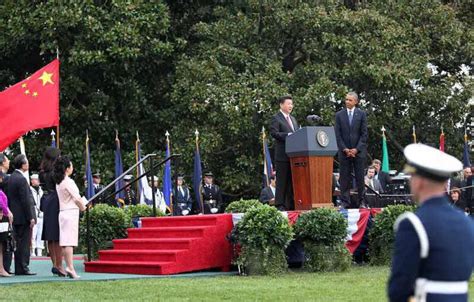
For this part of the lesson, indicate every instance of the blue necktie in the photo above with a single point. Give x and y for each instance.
(350, 118)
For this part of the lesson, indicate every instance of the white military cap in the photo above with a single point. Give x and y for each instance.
(34, 176)
(128, 177)
(430, 162)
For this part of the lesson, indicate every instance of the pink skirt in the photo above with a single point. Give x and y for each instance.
(68, 227)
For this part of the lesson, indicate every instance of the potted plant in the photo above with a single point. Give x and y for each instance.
(263, 234)
(323, 232)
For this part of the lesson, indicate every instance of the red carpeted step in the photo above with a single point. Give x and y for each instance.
(179, 221)
(139, 255)
(127, 267)
(167, 250)
(167, 232)
(153, 244)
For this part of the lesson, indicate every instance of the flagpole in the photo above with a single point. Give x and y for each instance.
(414, 134)
(200, 191)
(167, 134)
(265, 168)
(88, 221)
(137, 142)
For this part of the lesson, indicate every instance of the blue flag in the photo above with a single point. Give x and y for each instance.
(268, 166)
(197, 178)
(167, 178)
(90, 187)
(119, 197)
(465, 156)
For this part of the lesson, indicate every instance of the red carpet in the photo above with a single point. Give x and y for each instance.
(169, 245)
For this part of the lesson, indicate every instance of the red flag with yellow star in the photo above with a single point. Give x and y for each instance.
(30, 104)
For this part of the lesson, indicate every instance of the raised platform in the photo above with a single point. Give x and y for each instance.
(169, 245)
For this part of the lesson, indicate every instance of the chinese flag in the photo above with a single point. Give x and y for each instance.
(30, 104)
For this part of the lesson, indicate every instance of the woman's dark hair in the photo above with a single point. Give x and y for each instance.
(60, 166)
(19, 161)
(49, 157)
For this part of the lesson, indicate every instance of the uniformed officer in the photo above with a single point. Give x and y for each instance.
(182, 201)
(96, 182)
(211, 195)
(433, 257)
(130, 197)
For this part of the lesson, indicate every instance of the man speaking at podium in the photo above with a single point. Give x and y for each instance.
(283, 125)
(351, 135)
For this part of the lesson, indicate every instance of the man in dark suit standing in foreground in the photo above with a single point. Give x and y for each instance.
(20, 202)
(351, 135)
(283, 125)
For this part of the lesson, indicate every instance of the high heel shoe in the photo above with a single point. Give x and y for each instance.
(55, 271)
(70, 275)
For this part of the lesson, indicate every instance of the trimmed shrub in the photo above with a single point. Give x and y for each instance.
(106, 223)
(263, 234)
(323, 232)
(141, 210)
(382, 236)
(242, 206)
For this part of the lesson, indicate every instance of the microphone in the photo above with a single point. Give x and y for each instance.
(313, 118)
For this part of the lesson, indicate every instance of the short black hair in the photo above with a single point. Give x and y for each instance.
(282, 99)
(19, 161)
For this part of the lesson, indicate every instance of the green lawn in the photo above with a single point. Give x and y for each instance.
(359, 284)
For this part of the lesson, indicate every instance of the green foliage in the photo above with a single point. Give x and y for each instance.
(106, 223)
(324, 258)
(242, 206)
(321, 226)
(322, 232)
(263, 234)
(141, 210)
(382, 236)
(219, 65)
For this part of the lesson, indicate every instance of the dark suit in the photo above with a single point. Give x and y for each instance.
(384, 179)
(266, 195)
(350, 137)
(20, 202)
(181, 201)
(279, 130)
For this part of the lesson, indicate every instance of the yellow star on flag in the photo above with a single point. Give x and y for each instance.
(23, 85)
(46, 78)
(35, 94)
(27, 91)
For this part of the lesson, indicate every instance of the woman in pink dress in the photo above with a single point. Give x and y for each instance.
(4, 212)
(70, 203)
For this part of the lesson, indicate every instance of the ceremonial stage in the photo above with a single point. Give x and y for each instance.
(174, 245)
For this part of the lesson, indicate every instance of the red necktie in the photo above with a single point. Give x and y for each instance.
(290, 123)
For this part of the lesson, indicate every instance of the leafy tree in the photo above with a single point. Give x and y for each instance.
(218, 66)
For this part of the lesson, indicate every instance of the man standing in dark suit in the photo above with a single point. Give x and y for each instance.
(283, 125)
(383, 177)
(267, 195)
(351, 135)
(20, 202)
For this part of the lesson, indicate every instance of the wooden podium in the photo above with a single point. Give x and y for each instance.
(311, 151)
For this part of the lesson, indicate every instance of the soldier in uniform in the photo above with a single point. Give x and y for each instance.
(211, 195)
(182, 201)
(130, 197)
(433, 257)
(97, 186)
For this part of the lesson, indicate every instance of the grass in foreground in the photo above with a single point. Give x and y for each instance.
(358, 284)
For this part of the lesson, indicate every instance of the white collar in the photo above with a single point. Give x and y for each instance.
(351, 110)
(284, 114)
